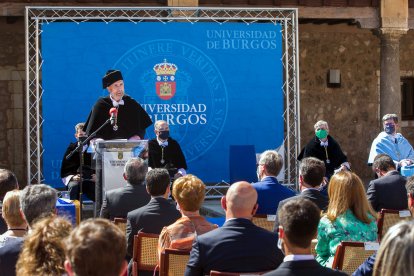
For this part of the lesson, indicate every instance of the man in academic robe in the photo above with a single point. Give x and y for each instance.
(132, 119)
(165, 152)
(69, 171)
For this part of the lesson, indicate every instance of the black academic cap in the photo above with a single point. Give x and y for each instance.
(110, 77)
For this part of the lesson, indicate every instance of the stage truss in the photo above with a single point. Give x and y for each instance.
(36, 16)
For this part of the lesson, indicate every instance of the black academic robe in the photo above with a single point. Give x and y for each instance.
(335, 155)
(71, 166)
(132, 119)
(173, 156)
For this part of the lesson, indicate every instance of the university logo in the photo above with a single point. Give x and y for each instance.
(165, 85)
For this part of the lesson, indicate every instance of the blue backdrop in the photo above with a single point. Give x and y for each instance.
(228, 85)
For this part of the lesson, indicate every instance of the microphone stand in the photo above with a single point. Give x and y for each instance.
(79, 149)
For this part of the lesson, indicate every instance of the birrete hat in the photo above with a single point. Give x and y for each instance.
(110, 77)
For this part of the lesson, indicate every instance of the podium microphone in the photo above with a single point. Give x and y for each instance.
(113, 112)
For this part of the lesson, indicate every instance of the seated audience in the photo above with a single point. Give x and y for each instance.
(43, 251)
(189, 192)
(17, 227)
(96, 247)
(349, 217)
(388, 191)
(299, 219)
(269, 191)
(8, 182)
(118, 202)
(37, 201)
(238, 246)
(396, 252)
(367, 267)
(311, 175)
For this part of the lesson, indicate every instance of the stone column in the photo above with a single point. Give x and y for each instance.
(390, 93)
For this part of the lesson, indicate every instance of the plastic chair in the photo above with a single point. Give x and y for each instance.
(173, 262)
(144, 256)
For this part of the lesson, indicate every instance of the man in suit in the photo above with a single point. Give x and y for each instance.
(269, 191)
(311, 175)
(159, 212)
(239, 245)
(388, 191)
(299, 219)
(118, 202)
(36, 202)
(8, 182)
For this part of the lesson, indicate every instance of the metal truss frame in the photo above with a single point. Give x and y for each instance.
(36, 16)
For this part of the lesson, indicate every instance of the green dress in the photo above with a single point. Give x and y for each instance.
(346, 227)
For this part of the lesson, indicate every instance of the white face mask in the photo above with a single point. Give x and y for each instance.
(280, 245)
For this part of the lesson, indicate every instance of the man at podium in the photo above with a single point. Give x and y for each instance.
(130, 119)
(165, 152)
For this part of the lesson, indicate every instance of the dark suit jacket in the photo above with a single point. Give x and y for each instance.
(367, 267)
(151, 218)
(237, 246)
(388, 192)
(270, 193)
(299, 268)
(118, 202)
(8, 257)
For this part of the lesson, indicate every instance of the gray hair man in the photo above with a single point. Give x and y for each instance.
(118, 202)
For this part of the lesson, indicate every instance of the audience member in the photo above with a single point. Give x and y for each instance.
(311, 175)
(325, 148)
(388, 191)
(8, 182)
(396, 252)
(392, 143)
(238, 246)
(36, 202)
(269, 191)
(189, 192)
(70, 168)
(299, 219)
(43, 251)
(16, 226)
(96, 247)
(165, 152)
(118, 202)
(367, 267)
(349, 216)
(159, 212)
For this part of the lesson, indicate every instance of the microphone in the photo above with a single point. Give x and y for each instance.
(113, 112)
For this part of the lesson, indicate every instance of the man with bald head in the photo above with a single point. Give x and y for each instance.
(239, 245)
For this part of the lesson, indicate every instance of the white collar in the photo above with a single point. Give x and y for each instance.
(162, 143)
(115, 103)
(289, 258)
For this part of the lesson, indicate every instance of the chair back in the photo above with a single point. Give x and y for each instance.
(220, 273)
(121, 223)
(145, 254)
(265, 221)
(388, 218)
(350, 255)
(313, 247)
(173, 262)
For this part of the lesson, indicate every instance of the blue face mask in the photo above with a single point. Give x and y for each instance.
(163, 135)
(389, 128)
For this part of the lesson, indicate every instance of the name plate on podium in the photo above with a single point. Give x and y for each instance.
(111, 157)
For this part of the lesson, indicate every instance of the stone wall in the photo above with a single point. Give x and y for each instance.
(12, 75)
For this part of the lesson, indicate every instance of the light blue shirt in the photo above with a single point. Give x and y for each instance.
(396, 146)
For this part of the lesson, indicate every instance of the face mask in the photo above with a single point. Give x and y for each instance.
(163, 135)
(321, 133)
(280, 246)
(389, 128)
(258, 173)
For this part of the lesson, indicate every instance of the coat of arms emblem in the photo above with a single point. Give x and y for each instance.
(165, 82)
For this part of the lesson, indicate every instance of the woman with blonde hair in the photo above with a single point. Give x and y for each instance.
(396, 252)
(16, 226)
(349, 216)
(43, 250)
(189, 192)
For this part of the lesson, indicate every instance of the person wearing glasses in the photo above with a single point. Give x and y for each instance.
(392, 143)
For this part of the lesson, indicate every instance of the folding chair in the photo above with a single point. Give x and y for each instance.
(388, 218)
(144, 255)
(219, 273)
(121, 223)
(173, 262)
(265, 221)
(350, 255)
